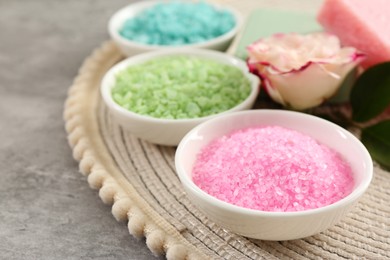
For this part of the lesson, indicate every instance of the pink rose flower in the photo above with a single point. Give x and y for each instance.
(302, 71)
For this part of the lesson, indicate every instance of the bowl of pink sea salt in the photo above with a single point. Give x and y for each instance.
(153, 25)
(273, 174)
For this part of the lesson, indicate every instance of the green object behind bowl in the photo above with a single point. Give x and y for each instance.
(265, 22)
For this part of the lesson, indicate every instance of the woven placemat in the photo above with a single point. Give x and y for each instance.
(139, 180)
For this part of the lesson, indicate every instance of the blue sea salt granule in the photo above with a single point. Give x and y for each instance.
(178, 23)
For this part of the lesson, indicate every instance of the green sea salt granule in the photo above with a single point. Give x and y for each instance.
(179, 87)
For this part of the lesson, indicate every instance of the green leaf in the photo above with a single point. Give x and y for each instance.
(343, 94)
(377, 140)
(371, 93)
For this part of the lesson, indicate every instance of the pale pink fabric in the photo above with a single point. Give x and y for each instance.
(364, 24)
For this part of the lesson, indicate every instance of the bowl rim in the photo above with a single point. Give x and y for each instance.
(225, 58)
(114, 33)
(189, 184)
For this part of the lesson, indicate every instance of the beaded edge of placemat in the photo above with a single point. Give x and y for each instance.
(96, 163)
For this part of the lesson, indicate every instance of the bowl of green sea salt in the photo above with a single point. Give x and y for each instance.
(160, 96)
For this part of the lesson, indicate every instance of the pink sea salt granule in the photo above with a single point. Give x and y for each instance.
(272, 168)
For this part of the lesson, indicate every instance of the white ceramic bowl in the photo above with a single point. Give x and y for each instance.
(169, 131)
(274, 225)
(130, 48)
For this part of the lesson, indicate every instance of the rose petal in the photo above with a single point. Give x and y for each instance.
(293, 52)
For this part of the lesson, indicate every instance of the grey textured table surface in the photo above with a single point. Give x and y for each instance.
(47, 210)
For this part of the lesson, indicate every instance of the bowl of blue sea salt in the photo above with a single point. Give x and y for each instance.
(155, 25)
